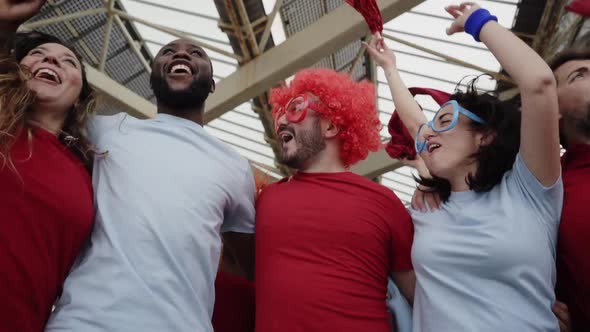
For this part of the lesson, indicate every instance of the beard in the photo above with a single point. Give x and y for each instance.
(308, 144)
(577, 121)
(194, 95)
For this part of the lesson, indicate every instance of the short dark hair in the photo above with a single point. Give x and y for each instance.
(502, 122)
(567, 55)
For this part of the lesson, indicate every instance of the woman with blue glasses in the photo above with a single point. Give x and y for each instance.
(444, 120)
(485, 261)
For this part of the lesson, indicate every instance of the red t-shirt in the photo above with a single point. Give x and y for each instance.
(573, 247)
(234, 304)
(325, 245)
(46, 213)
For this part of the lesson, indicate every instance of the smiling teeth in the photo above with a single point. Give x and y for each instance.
(48, 72)
(177, 68)
(433, 146)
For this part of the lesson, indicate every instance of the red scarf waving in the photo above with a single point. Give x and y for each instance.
(371, 13)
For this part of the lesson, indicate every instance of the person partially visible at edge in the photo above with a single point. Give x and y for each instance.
(166, 192)
(46, 208)
(572, 72)
(485, 261)
(328, 239)
(234, 298)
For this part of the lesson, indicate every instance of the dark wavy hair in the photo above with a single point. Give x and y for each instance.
(567, 55)
(502, 123)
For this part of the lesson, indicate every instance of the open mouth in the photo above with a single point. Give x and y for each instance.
(47, 74)
(285, 137)
(180, 69)
(433, 146)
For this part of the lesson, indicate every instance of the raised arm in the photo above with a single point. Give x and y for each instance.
(539, 142)
(12, 14)
(407, 108)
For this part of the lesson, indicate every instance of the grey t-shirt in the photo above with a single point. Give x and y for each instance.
(163, 192)
(486, 261)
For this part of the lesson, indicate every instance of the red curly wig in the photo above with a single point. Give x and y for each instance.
(350, 106)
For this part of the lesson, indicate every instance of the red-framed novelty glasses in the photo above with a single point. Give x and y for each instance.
(295, 110)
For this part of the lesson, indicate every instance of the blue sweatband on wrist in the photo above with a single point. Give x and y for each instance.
(477, 20)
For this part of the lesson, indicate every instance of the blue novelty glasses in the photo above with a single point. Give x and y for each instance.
(445, 119)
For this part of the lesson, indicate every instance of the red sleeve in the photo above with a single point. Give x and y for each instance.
(402, 237)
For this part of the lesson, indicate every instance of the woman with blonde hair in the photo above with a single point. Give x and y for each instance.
(46, 202)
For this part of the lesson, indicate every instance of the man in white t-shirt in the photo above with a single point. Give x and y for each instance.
(165, 191)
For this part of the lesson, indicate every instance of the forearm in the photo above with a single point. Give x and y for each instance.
(539, 135)
(407, 108)
(406, 283)
(528, 70)
(421, 168)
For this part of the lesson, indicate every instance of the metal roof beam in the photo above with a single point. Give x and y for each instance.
(322, 38)
(118, 95)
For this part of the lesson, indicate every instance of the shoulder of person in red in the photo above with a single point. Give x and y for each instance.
(573, 265)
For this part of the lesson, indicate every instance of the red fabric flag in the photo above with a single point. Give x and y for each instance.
(371, 13)
(401, 144)
(581, 7)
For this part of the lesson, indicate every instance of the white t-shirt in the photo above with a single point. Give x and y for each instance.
(163, 192)
(486, 261)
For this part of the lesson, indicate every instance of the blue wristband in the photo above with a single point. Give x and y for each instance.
(477, 20)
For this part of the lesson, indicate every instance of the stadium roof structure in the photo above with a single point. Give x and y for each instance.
(257, 44)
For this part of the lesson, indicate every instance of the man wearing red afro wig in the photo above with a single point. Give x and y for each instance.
(327, 239)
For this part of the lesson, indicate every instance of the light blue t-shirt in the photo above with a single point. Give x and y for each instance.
(164, 191)
(485, 262)
(399, 307)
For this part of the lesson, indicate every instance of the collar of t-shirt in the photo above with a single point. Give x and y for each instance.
(462, 196)
(44, 135)
(315, 174)
(576, 156)
(169, 118)
(319, 175)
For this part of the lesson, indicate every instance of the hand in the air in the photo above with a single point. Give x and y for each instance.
(15, 12)
(379, 51)
(460, 13)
